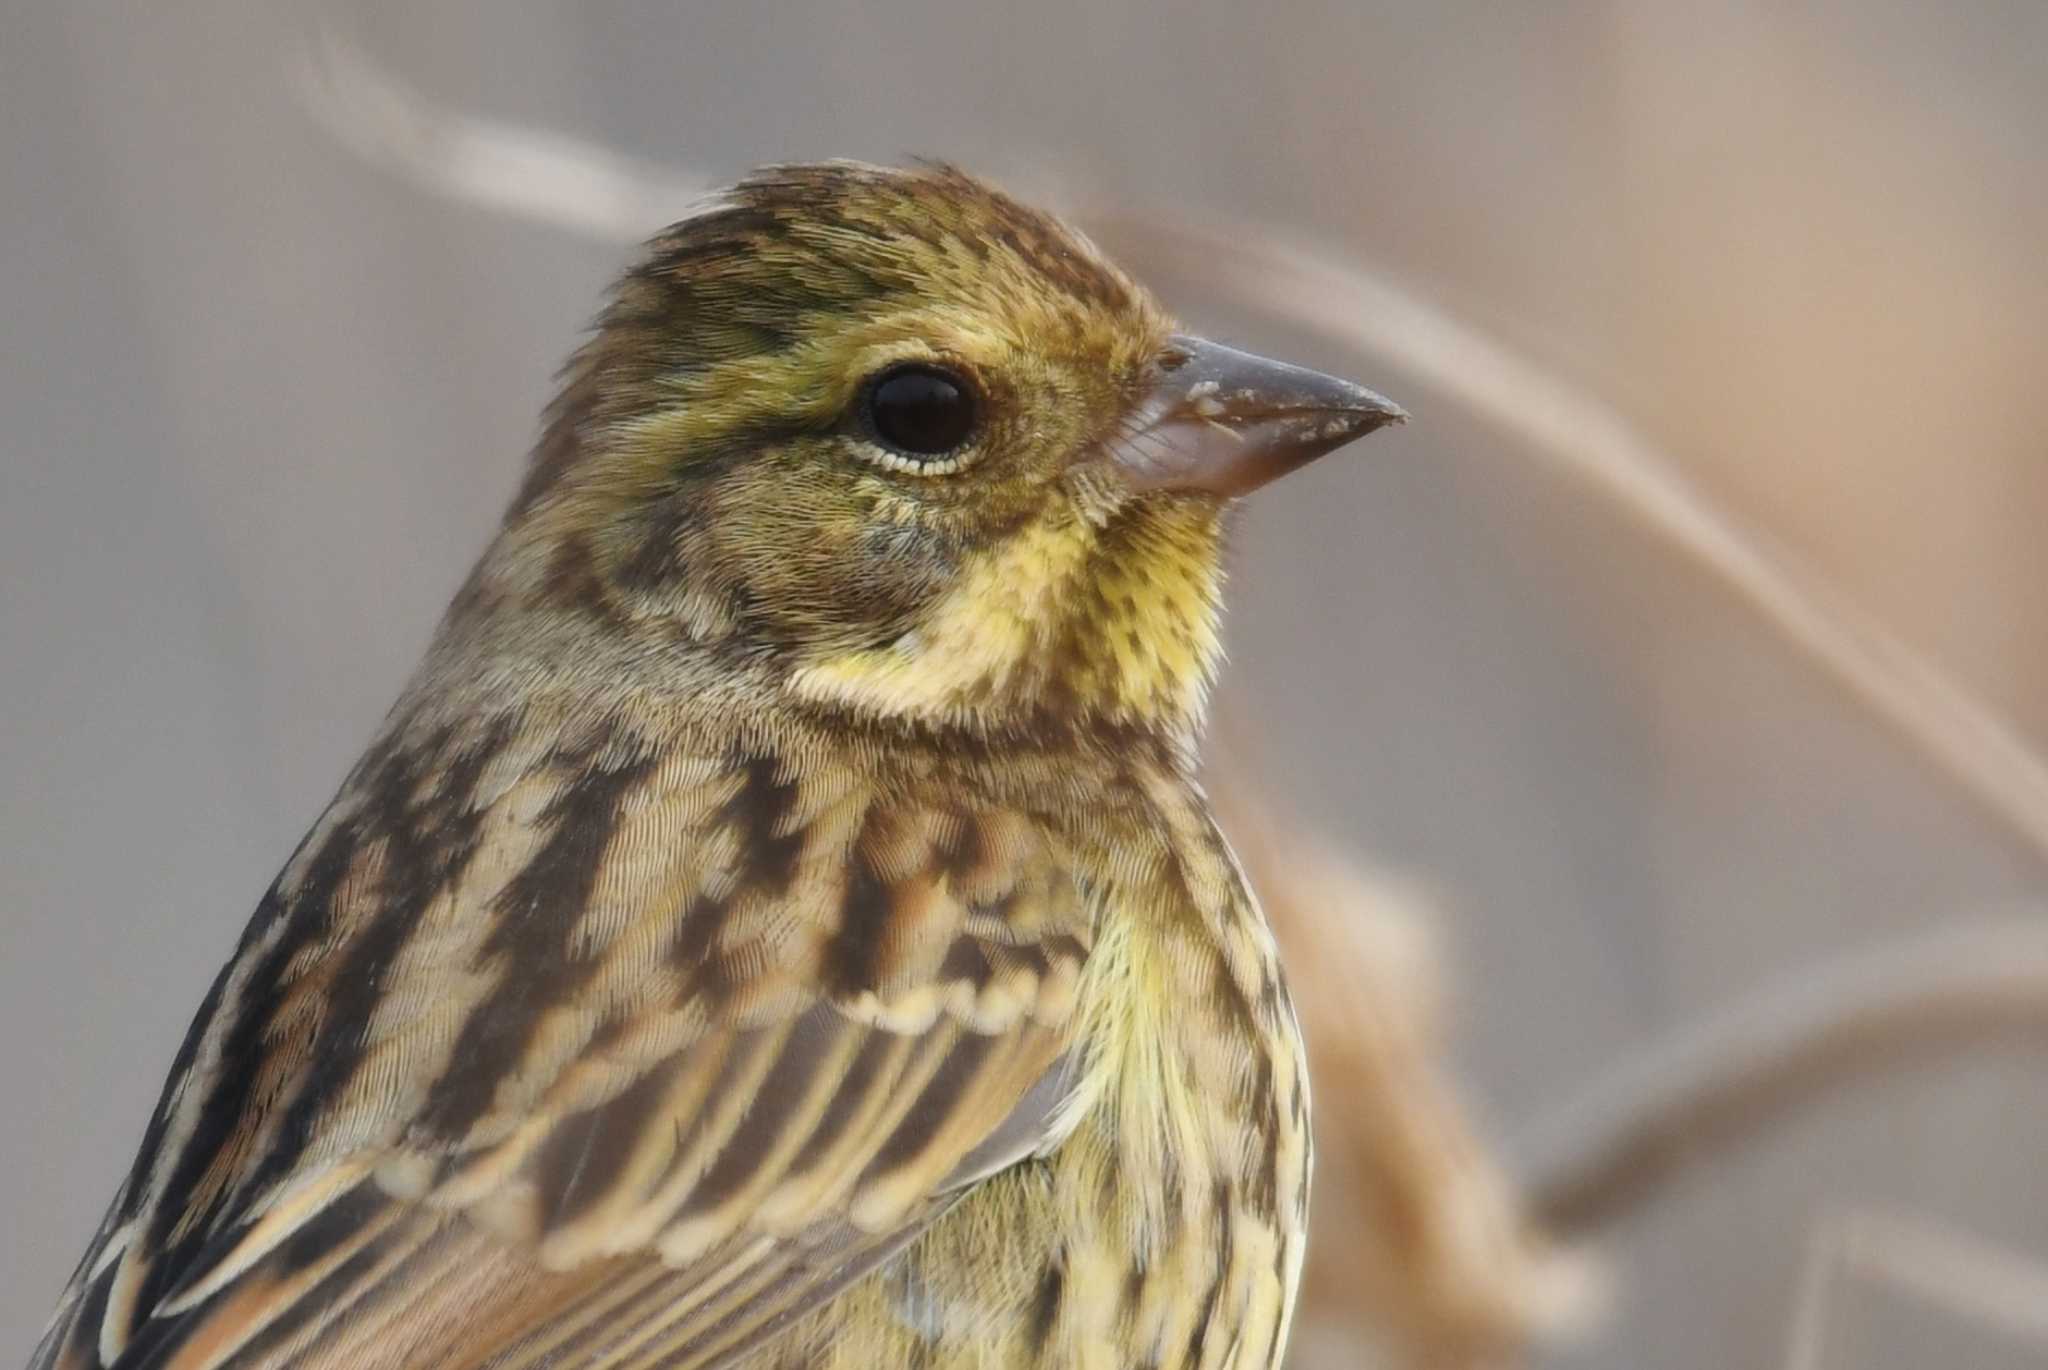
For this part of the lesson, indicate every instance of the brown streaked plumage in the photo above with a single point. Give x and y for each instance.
(778, 927)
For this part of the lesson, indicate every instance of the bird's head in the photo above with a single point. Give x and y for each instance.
(902, 447)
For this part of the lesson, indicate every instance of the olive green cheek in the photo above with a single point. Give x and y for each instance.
(816, 565)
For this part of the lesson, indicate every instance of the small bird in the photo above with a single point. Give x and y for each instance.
(779, 925)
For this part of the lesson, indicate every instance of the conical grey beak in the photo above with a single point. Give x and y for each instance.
(1226, 422)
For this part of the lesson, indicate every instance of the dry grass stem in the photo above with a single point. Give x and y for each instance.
(535, 174)
(1586, 440)
(1442, 1267)
(1996, 1289)
(1603, 1148)
(591, 190)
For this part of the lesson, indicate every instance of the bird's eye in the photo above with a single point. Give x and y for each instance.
(921, 410)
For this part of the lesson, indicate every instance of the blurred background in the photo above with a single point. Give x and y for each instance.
(265, 395)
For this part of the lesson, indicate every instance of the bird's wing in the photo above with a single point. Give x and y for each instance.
(587, 1053)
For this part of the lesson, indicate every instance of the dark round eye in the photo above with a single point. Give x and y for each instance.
(921, 410)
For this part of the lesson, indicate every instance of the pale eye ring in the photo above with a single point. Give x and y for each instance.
(921, 415)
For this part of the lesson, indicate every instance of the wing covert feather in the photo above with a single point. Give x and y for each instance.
(587, 1053)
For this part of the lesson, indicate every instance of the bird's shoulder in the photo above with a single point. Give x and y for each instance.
(614, 984)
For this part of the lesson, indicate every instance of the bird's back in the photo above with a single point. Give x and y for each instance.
(557, 1043)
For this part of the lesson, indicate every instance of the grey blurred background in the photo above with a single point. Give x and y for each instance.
(264, 401)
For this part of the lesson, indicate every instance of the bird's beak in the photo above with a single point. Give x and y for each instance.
(1226, 422)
